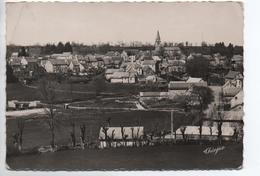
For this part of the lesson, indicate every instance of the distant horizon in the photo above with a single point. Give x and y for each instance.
(127, 44)
(33, 23)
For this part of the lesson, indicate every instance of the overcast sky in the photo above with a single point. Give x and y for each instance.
(31, 23)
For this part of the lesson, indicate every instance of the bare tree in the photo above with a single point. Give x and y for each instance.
(220, 132)
(235, 134)
(137, 137)
(108, 121)
(183, 129)
(104, 130)
(124, 136)
(18, 136)
(83, 134)
(200, 128)
(73, 135)
(112, 137)
(220, 123)
(47, 90)
(132, 135)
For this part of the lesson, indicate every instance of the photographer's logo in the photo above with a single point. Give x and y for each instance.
(213, 150)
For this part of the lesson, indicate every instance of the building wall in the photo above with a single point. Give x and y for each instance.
(116, 80)
(49, 67)
(238, 99)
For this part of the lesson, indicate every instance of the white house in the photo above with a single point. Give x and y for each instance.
(76, 66)
(122, 77)
(129, 138)
(110, 72)
(56, 66)
(207, 133)
(237, 99)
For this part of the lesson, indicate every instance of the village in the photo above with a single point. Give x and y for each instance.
(133, 97)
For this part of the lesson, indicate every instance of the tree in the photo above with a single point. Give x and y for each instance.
(73, 135)
(220, 123)
(23, 52)
(83, 134)
(104, 130)
(10, 78)
(47, 91)
(220, 132)
(67, 47)
(18, 136)
(204, 95)
(198, 67)
(183, 129)
(124, 136)
(60, 48)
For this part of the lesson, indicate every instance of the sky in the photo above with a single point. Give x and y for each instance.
(40, 23)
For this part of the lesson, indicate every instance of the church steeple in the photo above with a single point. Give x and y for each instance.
(158, 39)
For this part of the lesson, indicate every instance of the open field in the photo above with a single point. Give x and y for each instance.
(155, 158)
(36, 132)
(80, 91)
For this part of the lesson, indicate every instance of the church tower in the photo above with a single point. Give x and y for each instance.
(158, 46)
(157, 40)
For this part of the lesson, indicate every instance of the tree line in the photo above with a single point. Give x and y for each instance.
(83, 49)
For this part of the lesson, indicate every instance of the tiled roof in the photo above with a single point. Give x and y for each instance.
(231, 91)
(149, 62)
(58, 62)
(232, 74)
(194, 80)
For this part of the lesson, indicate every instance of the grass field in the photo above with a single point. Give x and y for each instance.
(81, 91)
(36, 132)
(147, 158)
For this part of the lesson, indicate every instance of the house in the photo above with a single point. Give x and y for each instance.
(129, 54)
(108, 61)
(110, 72)
(233, 75)
(208, 133)
(156, 58)
(146, 71)
(154, 79)
(117, 60)
(75, 66)
(237, 100)
(14, 55)
(171, 51)
(113, 136)
(21, 63)
(133, 67)
(236, 61)
(56, 66)
(233, 84)
(176, 66)
(182, 87)
(32, 64)
(122, 77)
(16, 64)
(151, 64)
(93, 61)
(15, 104)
